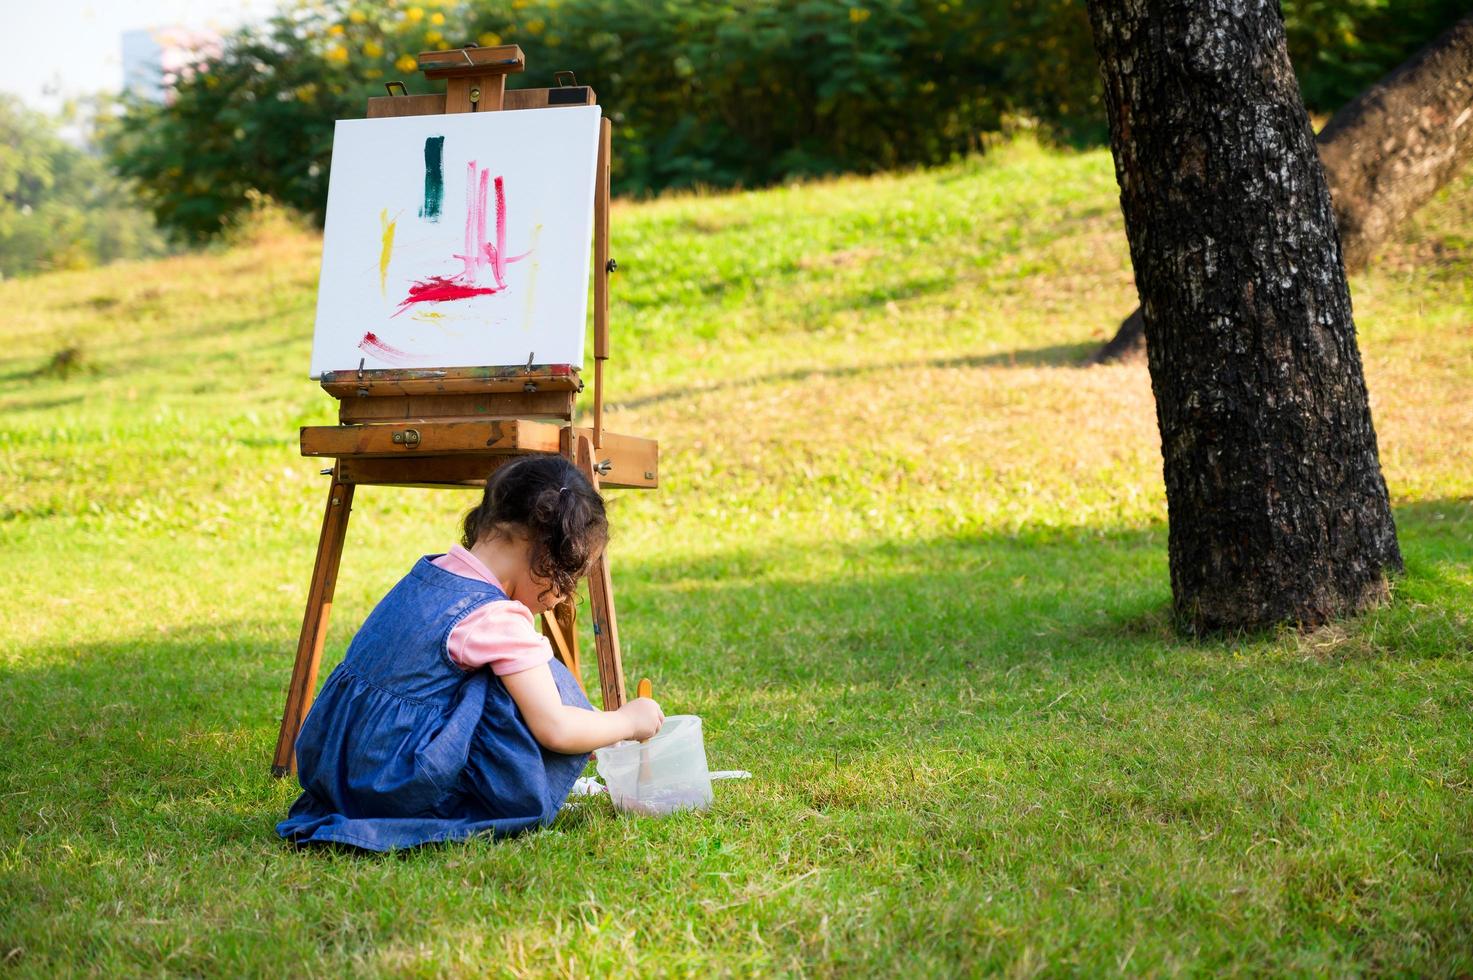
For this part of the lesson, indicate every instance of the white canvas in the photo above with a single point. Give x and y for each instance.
(493, 272)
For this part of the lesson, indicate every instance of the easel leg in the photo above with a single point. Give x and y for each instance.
(606, 635)
(314, 624)
(560, 626)
(601, 598)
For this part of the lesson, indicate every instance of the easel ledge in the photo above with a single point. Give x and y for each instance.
(446, 381)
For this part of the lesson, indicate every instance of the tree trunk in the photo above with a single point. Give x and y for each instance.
(1277, 508)
(1385, 154)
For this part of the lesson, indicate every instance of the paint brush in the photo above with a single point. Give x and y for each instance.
(644, 690)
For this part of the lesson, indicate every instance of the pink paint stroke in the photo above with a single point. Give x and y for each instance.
(498, 260)
(479, 254)
(370, 344)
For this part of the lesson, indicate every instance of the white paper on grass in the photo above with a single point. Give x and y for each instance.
(388, 271)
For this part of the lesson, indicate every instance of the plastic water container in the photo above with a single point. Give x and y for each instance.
(661, 775)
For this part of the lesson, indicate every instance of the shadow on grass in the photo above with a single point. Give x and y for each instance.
(23, 373)
(43, 405)
(26, 369)
(849, 644)
(166, 739)
(1056, 355)
(976, 605)
(835, 611)
(934, 610)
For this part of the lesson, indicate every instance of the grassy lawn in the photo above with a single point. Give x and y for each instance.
(908, 562)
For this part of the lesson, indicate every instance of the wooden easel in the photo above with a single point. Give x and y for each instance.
(454, 427)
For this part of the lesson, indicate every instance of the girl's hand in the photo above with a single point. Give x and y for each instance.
(644, 717)
(573, 730)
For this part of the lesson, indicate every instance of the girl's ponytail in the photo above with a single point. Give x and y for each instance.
(556, 506)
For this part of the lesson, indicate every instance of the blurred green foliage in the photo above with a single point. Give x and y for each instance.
(1340, 47)
(756, 92)
(258, 116)
(60, 207)
(746, 93)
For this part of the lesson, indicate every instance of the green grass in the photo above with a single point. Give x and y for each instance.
(908, 562)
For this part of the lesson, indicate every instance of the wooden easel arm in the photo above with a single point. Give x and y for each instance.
(625, 461)
(601, 276)
(563, 647)
(601, 599)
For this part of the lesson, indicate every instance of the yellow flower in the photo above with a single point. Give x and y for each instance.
(337, 55)
(535, 25)
(335, 30)
(858, 15)
(406, 62)
(373, 72)
(432, 36)
(489, 40)
(437, 18)
(357, 16)
(372, 49)
(443, 46)
(414, 14)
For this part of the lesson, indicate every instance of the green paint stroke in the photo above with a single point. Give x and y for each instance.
(434, 177)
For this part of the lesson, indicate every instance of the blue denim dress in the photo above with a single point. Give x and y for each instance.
(404, 747)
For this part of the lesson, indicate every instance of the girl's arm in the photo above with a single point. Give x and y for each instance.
(573, 731)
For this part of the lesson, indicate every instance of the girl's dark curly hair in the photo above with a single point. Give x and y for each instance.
(553, 502)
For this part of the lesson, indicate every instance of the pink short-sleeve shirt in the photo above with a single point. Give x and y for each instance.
(501, 635)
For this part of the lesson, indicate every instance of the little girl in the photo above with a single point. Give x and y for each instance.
(449, 716)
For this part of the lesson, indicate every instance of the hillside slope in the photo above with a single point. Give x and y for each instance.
(907, 561)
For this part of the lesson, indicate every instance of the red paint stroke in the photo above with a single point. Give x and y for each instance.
(479, 255)
(439, 289)
(370, 344)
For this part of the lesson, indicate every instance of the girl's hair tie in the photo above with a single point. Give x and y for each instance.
(561, 489)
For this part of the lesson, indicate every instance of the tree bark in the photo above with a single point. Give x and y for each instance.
(1277, 508)
(1385, 154)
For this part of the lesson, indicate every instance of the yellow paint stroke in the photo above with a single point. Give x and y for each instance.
(437, 319)
(531, 287)
(386, 250)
